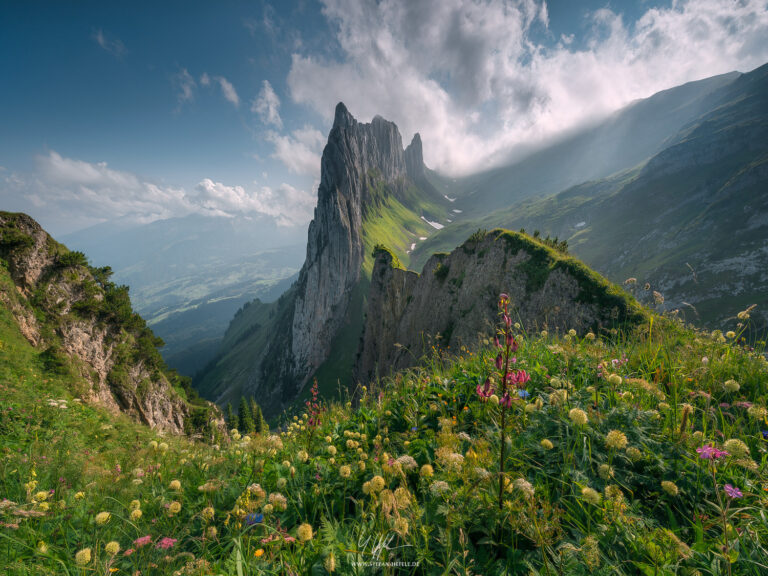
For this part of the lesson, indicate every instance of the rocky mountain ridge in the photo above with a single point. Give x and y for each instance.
(365, 171)
(351, 313)
(453, 302)
(84, 326)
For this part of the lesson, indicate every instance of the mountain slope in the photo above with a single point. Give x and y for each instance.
(624, 139)
(371, 190)
(692, 220)
(83, 328)
(453, 302)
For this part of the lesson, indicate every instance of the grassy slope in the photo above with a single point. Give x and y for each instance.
(241, 350)
(431, 415)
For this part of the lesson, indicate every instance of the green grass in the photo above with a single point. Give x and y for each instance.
(393, 225)
(669, 401)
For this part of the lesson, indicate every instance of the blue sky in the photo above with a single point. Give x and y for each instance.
(139, 111)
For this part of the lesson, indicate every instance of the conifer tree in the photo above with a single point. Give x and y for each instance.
(259, 423)
(232, 421)
(246, 417)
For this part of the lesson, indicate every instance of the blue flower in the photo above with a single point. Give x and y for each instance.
(254, 518)
(523, 394)
(414, 429)
(765, 434)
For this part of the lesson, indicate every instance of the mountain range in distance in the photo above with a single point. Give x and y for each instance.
(685, 213)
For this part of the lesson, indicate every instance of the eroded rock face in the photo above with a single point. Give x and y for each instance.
(456, 296)
(27, 250)
(42, 285)
(354, 153)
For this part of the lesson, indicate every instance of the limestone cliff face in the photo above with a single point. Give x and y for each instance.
(354, 153)
(456, 297)
(56, 303)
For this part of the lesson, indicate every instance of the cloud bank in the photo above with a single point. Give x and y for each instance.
(83, 193)
(470, 76)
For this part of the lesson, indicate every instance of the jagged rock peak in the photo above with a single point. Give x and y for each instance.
(414, 158)
(357, 160)
(342, 118)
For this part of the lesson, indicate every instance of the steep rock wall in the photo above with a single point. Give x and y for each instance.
(456, 297)
(335, 249)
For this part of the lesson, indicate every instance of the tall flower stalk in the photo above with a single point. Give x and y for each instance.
(507, 346)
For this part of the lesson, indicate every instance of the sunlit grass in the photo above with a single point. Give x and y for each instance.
(602, 473)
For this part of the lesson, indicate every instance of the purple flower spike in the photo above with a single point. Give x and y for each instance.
(732, 491)
(711, 453)
(485, 391)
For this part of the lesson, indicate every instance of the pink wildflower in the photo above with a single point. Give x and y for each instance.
(732, 491)
(709, 452)
(143, 541)
(486, 390)
(166, 543)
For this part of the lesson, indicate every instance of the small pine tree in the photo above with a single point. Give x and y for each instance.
(232, 420)
(245, 417)
(260, 425)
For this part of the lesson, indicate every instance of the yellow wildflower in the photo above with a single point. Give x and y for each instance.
(304, 532)
(102, 518)
(83, 557)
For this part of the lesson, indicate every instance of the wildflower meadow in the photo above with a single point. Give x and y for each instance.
(630, 451)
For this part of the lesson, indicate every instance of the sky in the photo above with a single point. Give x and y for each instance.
(133, 112)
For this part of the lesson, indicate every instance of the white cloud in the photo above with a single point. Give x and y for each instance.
(299, 151)
(73, 194)
(185, 85)
(228, 91)
(267, 106)
(205, 80)
(111, 44)
(289, 206)
(469, 75)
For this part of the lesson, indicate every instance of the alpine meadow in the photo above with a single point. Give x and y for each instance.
(464, 287)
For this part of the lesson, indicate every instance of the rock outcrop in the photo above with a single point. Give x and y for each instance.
(455, 299)
(60, 308)
(356, 157)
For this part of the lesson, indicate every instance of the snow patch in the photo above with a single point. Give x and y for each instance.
(435, 225)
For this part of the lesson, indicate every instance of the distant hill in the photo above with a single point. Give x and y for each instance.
(188, 276)
(624, 139)
(691, 220)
